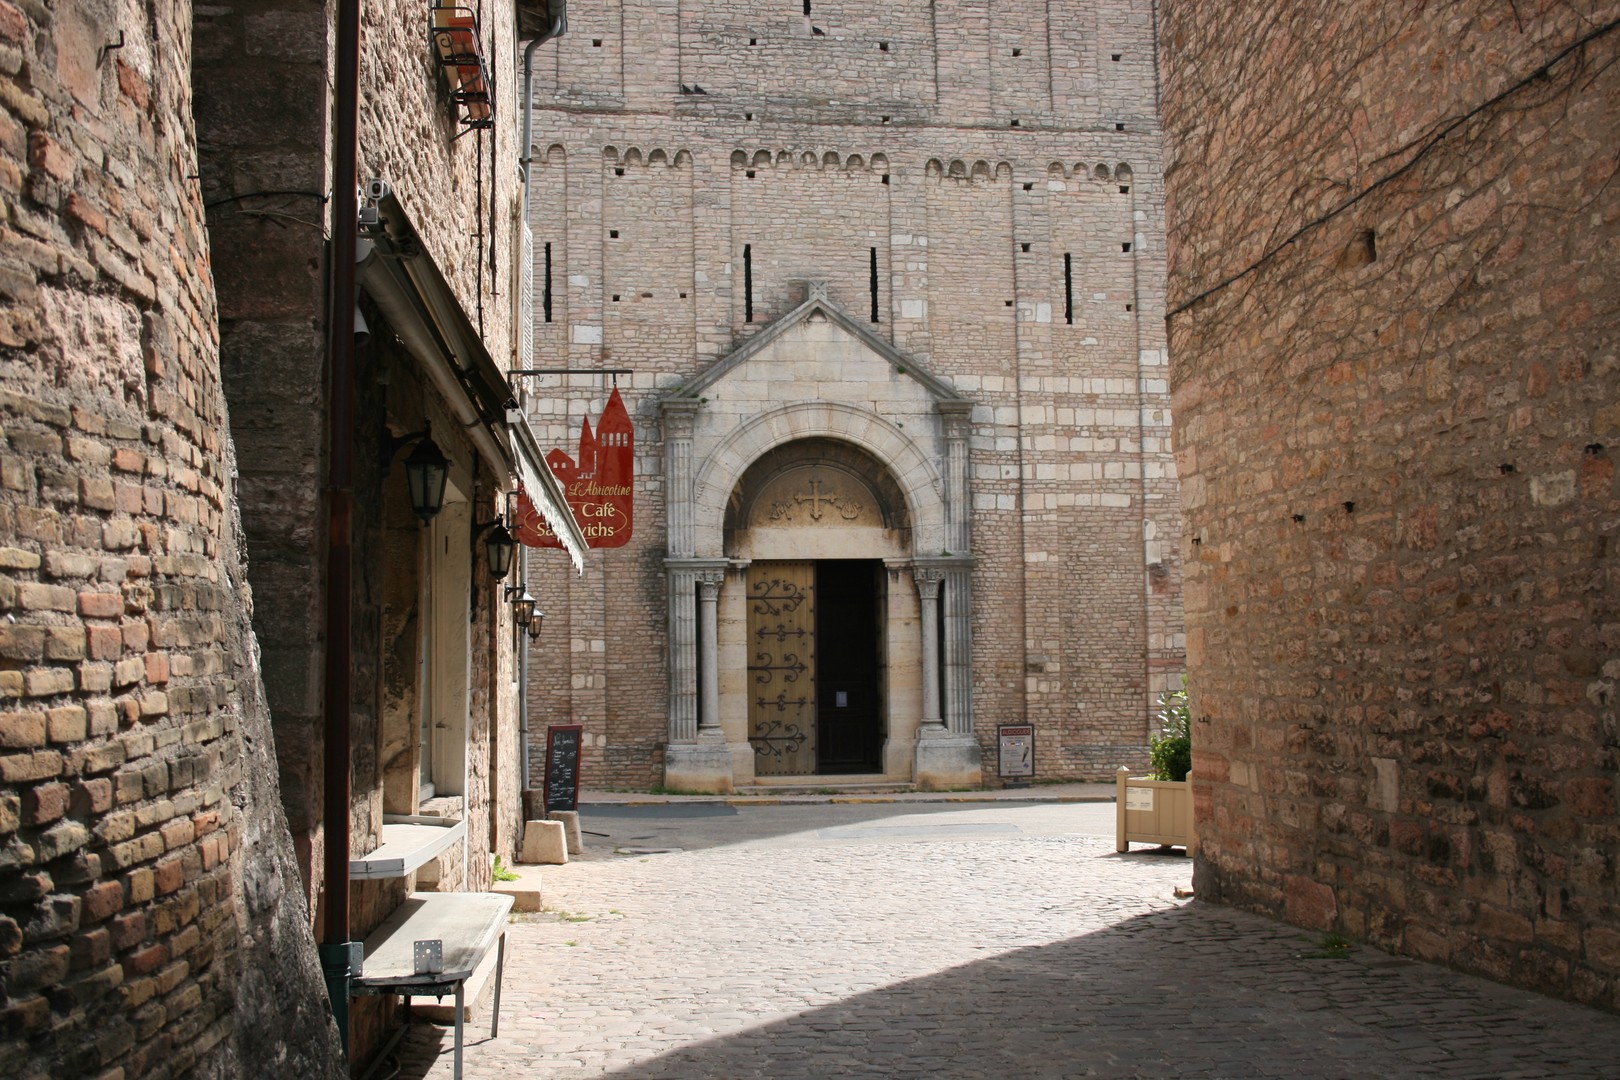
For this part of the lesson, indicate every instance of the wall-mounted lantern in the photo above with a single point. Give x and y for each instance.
(498, 548)
(426, 470)
(523, 608)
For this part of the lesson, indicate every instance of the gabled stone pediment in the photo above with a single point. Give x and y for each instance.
(816, 308)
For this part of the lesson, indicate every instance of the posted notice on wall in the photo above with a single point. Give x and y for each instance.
(1138, 798)
(1017, 742)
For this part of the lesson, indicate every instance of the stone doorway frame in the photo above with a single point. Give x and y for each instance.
(698, 756)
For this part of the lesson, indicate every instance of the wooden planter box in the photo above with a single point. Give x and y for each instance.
(1153, 812)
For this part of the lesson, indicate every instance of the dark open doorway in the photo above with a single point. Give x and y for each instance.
(849, 685)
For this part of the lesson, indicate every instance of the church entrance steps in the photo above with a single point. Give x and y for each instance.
(825, 791)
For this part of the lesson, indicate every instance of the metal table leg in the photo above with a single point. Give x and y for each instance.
(500, 974)
(459, 1011)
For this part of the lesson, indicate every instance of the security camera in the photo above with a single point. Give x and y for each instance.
(378, 190)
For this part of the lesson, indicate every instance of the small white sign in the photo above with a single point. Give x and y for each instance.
(841, 699)
(1138, 798)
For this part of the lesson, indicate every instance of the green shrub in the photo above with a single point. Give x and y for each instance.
(1172, 749)
(502, 872)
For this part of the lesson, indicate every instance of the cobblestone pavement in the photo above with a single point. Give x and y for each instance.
(977, 952)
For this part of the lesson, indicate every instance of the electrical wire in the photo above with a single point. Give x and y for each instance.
(1422, 152)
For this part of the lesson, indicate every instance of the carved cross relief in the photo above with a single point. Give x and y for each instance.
(816, 499)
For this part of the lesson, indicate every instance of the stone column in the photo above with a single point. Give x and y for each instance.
(697, 757)
(680, 420)
(958, 598)
(708, 583)
(948, 754)
(683, 711)
(928, 580)
(956, 421)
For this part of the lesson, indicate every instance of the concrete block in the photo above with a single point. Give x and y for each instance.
(525, 891)
(570, 823)
(545, 843)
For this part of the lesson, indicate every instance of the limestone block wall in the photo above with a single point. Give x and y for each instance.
(1023, 262)
(151, 916)
(1393, 311)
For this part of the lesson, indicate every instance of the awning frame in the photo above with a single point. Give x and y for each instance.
(399, 275)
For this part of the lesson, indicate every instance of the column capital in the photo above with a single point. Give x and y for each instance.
(928, 579)
(680, 416)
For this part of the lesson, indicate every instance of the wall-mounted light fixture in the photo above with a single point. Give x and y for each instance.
(426, 470)
(499, 545)
(535, 624)
(523, 607)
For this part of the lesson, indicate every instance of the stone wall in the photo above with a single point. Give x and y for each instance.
(151, 919)
(971, 151)
(1393, 312)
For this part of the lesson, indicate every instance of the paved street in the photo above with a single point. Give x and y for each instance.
(935, 940)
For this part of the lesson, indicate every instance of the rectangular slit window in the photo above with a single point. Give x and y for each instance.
(545, 293)
(1068, 288)
(748, 273)
(873, 284)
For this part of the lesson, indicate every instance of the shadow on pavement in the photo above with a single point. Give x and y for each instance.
(1194, 991)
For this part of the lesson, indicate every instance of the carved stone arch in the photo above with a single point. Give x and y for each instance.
(632, 156)
(914, 474)
(879, 163)
(658, 157)
(610, 154)
(683, 158)
(854, 162)
(958, 169)
(1102, 172)
(807, 160)
(1122, 172)
(935, 169)
(739, 159)
(762, 159)
(829, 160)
(1057, 171)
(1004, 171)
(877, 499)
(981, 170)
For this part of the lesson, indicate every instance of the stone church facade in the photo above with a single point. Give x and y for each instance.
(884, 292)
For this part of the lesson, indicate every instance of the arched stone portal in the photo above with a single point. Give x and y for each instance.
(860, 504)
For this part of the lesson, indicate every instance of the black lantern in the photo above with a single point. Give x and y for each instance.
(499, 546)
(523, 609)
(426, 470)
(534, 624)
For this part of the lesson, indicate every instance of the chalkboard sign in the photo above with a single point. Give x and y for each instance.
(562, 766)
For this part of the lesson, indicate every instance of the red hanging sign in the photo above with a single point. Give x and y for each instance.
(600, 485)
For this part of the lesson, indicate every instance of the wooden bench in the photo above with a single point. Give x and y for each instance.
(466, 925)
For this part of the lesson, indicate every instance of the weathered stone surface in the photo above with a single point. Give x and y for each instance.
(122, 572)
(1393, 302)
(996, 181)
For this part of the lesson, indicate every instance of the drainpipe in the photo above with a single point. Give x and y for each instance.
(558, 25)
(525, 158)
(339, 955)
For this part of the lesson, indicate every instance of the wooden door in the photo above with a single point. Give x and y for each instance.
(782, 668)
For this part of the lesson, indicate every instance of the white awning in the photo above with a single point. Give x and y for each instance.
(543, 488)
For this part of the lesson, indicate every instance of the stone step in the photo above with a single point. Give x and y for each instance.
(525, 891)
(823, 784)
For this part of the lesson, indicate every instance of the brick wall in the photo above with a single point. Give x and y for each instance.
(947, 137)
(151, 922)
(1394, 303)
